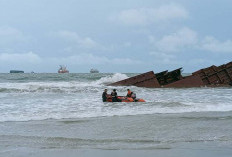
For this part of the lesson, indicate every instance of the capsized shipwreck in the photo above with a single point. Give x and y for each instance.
(213, 76)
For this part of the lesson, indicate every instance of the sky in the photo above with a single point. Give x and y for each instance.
(114, 35)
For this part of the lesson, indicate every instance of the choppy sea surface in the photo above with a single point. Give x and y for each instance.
(53, 111)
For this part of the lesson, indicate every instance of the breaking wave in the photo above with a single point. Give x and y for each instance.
(80, 98)
(110, 79)
(60, 87)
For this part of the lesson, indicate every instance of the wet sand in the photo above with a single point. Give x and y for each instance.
(170, 135)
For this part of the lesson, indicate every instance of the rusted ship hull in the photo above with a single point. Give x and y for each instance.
(216, 76)
(212, 76)
(143, 80)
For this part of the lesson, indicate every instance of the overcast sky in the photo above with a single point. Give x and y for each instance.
(114, 35)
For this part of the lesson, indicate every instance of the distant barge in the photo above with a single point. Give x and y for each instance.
(16, 71)
(213, 76)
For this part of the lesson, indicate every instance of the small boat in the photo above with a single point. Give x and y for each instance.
(125, 99)
(94, 71)
(16, 71)
(63, 69)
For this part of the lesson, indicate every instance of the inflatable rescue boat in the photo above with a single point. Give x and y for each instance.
(124, 99)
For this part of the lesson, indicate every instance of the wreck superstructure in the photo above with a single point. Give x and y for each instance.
(63, 69)
(213, 76)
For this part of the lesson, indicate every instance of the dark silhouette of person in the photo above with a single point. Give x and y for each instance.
(104, 95)
(128, 93)
(114, 95)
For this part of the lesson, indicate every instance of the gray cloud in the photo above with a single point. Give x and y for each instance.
(74, 38)
(145, 16)
(178, 41)
(210, 43)
(11, 35)
(186, 38)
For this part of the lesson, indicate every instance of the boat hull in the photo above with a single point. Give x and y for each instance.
(125, 99)
(63, 71)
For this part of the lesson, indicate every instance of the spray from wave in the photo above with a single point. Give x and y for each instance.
(110, 79)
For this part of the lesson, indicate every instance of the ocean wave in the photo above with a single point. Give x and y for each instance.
(60, 87)
(110, 79)
(87, 115)
(49, 89)
(65, 142)
(207, 118)
(105, 143)
(82, 99)
(52, 77)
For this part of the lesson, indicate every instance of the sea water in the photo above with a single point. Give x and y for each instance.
(65, 111)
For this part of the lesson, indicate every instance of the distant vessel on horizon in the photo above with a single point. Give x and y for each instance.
(94, 71)
(63, 69)
(16, 71)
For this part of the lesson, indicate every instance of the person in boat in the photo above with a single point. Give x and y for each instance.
(104, 95)
(128, 93)
(114, 95)
(133, 96)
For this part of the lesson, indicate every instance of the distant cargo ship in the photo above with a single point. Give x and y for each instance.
(63, 69)
(94, 71)
(16, 71)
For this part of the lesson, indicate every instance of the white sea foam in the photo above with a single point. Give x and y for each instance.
(69, 86)
(79, 99)
(110, 79)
